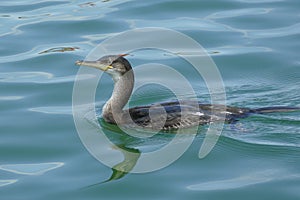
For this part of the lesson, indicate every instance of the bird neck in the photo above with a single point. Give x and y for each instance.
(113, 109)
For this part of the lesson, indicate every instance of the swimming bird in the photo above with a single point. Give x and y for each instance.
(164, 116)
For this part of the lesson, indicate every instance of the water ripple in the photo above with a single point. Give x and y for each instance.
(258, 1)
(7, 182)
(242, 181)
(236, 50)
(183, 23)
(20, 14)
(65, 110)
(25, 77)
(38, 77)
(239, 12)
(21, 7)
(276, 32)
(41, 49)
(10, 98)
(31, 169)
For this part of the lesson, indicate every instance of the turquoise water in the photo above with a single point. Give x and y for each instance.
(255, 45)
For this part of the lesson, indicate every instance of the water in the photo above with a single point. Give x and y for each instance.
(255, 45)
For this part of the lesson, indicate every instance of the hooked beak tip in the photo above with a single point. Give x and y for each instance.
(78, 62)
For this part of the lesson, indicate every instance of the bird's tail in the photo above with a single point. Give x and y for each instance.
(275, 109)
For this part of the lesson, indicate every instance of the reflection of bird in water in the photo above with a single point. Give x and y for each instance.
(173, 115)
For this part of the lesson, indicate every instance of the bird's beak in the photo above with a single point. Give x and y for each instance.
(93, 64)
(124, 54)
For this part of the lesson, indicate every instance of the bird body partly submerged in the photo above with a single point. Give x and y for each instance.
(183, 115)
(163, 116)
(187, 114)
